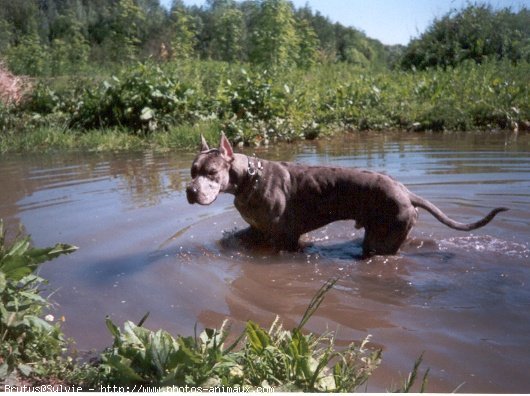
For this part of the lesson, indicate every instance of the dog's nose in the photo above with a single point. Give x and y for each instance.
(191, 194)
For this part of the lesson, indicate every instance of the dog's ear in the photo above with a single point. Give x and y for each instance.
(204, 144)
(226, 148)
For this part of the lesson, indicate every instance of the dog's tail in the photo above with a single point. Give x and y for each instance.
(420, 202)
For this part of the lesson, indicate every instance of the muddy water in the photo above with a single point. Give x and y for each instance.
(462, 298)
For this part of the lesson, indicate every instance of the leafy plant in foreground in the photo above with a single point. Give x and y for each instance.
(285, 360)
(26, 340)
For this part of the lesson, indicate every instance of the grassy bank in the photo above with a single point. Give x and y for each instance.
(168, 105)
(50, 138)
(33, 349)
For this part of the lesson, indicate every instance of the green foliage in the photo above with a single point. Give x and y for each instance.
(184, 33)
(142, 99)
(27, 341)
(285, 360)
(227, 32)
(29, 57)
(256, 106)
(69, 47)
(274, 39)
(475, 33)
(52, 37)
(141, 356)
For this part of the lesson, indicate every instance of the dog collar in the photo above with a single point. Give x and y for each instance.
(254, 167)
(254, 170)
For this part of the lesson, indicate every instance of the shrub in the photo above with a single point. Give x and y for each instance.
(143, 99)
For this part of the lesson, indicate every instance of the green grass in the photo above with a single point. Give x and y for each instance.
(115, 139)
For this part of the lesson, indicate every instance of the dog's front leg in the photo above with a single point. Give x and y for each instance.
(251, 235)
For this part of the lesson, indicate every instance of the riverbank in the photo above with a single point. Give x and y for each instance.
(168, 106)
(109, 139)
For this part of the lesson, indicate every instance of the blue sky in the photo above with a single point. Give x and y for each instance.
(390, 21)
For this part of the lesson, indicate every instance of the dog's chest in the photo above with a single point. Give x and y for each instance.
(251, 211)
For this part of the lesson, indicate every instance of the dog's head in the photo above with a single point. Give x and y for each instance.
(210, 172)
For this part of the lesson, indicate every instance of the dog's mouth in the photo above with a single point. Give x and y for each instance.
(196, 196)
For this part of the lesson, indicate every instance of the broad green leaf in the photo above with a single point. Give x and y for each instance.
(19, 248)
(16, 267)
(35, 322)
(122, 366)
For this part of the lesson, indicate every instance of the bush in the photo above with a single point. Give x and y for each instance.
(33, 347)
(144, 99)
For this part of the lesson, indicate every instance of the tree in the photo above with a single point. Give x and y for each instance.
(227, 31)
(184, 32)
(123, 41)
(69, 47)
(26, 54)
(309, 43)
(274, 39)
(475, 33)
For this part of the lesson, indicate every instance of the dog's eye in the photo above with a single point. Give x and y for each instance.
(212, 172)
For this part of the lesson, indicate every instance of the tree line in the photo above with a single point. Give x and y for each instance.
(51, 37)
(54, 37)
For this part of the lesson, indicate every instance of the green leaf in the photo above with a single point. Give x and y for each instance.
(144, 318)
(47, 254)
(316, 301)
(21, 260)
(19, 248)
(188, 352)
(114, 330)
(122, 366)
(36, 323)
(16, 267)
(258, 337)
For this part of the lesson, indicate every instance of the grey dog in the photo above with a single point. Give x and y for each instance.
(282, 200)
